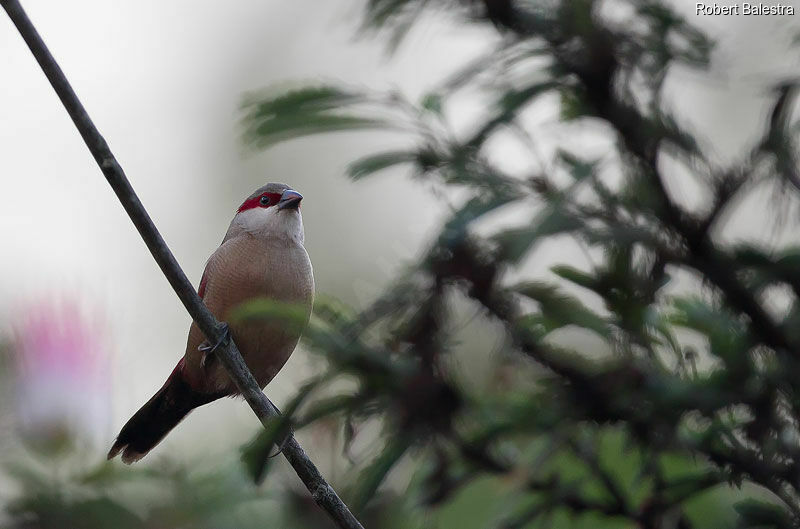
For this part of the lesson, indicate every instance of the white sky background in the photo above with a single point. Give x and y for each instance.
(163, 81)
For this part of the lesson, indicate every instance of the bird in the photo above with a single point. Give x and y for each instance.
(262, 255)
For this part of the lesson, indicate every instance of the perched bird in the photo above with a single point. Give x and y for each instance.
(262, 255)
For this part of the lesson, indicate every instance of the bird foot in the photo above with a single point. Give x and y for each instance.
(208, 350)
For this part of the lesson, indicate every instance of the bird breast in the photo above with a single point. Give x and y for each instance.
(242, 269)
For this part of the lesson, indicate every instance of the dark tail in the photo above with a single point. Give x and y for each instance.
(157, 417)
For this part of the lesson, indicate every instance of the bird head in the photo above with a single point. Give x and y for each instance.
(272, 210)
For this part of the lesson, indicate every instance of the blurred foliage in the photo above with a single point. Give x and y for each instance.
(683, 411)
(58, 491)
(679, 412)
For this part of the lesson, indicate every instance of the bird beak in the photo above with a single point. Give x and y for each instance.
(290, 199)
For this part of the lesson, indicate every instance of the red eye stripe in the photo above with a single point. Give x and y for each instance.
(255, 202)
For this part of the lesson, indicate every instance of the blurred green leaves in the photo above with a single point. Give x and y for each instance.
(559, 309)
(67, 491)
(304, 111)
(696, 386)
(369, 165)
(761, 514)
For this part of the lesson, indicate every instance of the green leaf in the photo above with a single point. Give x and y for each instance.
(373, 476)
(685, 486)
(762, 515)
(576, 276)
(378, 162)
(398, 16)
(573, 106)
(46, 509)
(663, 328)
(293, 315)
(474, 209)
(432, 103)
(517, 242)
(579, 169)
(329, 406)
(100, 512)
(789, 259)
(256, 454)
(311, 110)
(725, 334)
(508, 107)
(562, 309)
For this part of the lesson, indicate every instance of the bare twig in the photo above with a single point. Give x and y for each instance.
(321, 491)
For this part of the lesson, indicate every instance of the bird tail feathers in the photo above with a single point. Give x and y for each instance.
(158, 417)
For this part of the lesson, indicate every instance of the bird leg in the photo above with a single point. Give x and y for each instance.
(208, 350)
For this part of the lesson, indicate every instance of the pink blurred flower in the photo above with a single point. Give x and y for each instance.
(62, 373)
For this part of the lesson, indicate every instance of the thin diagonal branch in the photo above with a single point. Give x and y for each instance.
(321, 491)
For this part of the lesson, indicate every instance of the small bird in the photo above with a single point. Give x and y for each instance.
(262, 255)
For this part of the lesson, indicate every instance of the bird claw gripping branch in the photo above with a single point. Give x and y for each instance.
(208, 350)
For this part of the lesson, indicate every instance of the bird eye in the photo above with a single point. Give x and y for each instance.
(264, 200)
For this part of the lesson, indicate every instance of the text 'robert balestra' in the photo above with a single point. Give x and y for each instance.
(743, 9)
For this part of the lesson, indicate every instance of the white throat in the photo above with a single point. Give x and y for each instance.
(270, 222)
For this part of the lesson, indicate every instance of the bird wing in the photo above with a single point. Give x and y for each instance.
(233, 273)
(218, 254)
(201, 289)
